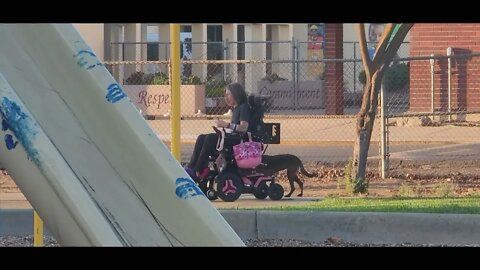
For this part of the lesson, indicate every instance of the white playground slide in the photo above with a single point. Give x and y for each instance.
(83, 155)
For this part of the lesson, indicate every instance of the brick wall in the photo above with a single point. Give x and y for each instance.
(427, 39)
(334, 71)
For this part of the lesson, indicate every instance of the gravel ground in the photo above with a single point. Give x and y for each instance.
(27, 241)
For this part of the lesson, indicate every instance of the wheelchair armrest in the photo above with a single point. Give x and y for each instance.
(233, 135)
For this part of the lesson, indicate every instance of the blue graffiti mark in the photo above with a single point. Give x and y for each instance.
(186, 188)
(9, 142)
(87, 59)
(21, 125)
(4, 125)
(115, 93)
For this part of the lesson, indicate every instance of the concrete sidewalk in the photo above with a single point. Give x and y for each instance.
(13, 200)
(16, 200)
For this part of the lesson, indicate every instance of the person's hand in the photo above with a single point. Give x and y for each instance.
(221, 124)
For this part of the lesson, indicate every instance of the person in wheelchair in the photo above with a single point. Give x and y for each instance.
(234, 165)
(206, 144)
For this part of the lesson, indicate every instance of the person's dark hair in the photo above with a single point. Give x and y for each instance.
(238, 92)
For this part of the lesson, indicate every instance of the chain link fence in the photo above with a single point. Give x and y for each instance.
(433, 101)
(299, 104)
(316, 103)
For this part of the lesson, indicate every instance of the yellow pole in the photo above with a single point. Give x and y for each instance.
(37, 230)
(175, 84)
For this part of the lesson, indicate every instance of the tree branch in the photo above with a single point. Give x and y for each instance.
(367, 63)
(396, 42)
(382, 46)
(376, 86)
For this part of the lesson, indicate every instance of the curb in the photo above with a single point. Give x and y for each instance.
(360, 227)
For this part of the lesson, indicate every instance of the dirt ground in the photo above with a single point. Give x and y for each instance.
(407, 178)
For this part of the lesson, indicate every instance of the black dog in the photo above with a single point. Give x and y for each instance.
(273, 164)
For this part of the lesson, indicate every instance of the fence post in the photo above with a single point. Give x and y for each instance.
(355, 67)
(297, 70)
(167, 53)
(226, 56)
(294, 72)
(37, 230)
(175, 86)
(383, 133)
(449, 53)
(432, 77)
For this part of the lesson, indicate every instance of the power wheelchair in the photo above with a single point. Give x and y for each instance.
(225, 179)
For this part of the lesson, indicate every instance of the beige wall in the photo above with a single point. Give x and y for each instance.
(154, 100)
(93, 35)
(281, 51)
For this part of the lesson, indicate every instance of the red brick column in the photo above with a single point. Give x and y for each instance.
(333, 71)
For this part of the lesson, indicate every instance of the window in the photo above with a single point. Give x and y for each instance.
(241, 53)
(152, 45)
(215, 46)
(214, 50)
(241, 40)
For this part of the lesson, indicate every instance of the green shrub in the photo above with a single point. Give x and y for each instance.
(137, 78)
(396, 77)
(191, 80)
(159, 78)
(215, 88)
(362, 78)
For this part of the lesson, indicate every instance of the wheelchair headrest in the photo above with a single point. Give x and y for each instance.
(255, 101)
(257, 107)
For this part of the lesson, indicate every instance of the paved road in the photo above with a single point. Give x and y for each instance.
(331, 139)
(317, 130)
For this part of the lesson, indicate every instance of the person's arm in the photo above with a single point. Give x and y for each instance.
(242, 127)
(244, 120)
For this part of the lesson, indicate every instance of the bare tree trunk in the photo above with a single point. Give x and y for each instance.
(365, 123)
(386, 49)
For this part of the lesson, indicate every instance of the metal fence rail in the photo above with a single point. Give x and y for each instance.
(427, 102)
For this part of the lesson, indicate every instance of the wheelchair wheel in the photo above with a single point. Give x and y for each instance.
(211, 194)
(229, 186)
(275, 191)
(203, 185)
(261, 192)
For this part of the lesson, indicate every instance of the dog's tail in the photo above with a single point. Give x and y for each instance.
(304, 172)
